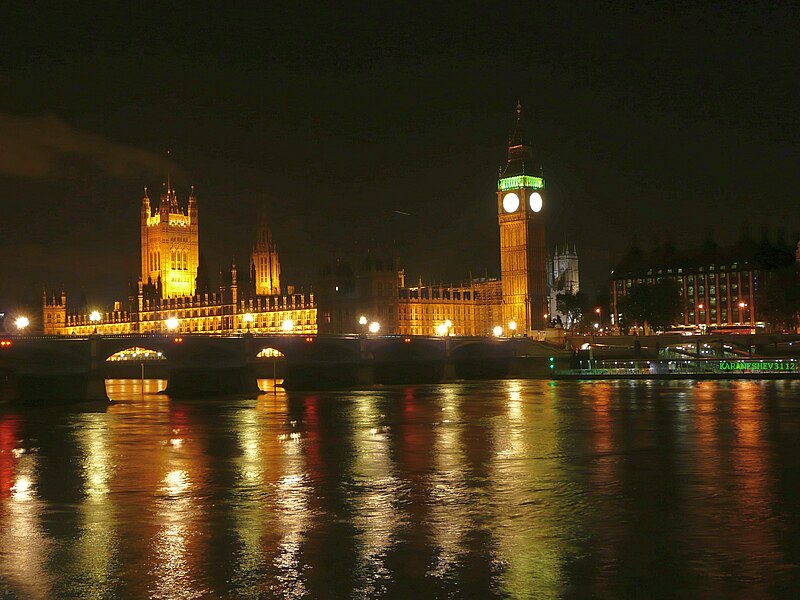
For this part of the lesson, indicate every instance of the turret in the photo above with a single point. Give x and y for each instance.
(234, 286)
(192, 207)
(266, 268)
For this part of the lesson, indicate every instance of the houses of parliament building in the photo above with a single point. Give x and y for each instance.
(173, 293)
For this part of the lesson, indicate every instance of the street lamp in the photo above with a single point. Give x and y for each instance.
(248, 318)
(441, 329)
(497, 331)
(374, 327)
(512, 326)
(22, 323)
(94, 317)
(362, 320)
(287, 326)
(172, 323)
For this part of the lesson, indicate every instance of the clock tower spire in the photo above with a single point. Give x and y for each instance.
(523, 253)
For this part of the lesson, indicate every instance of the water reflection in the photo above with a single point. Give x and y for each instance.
(533, 526)
(500, 489)
(450, 495)
(376, 491)
(23, 540)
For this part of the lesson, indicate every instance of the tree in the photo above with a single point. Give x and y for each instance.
(651, 305)
(780, 301)
(573, 306)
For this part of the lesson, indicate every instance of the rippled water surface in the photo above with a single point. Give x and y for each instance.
(521, 489)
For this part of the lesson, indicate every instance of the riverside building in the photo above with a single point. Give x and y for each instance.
(173, 294)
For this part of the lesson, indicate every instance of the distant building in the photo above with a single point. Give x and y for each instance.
(170, 254)
(563, 278)
(718, 287)
(169, 287)
(375, 288)
(174, 288)
(517, 302)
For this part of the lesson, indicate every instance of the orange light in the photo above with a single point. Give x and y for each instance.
(178, 340)
(309, 339)
(5, 343)
(407, 340)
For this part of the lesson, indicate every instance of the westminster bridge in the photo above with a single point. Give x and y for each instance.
(67, 368)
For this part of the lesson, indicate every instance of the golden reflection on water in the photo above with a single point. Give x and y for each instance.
(522, 480)
(95, 551)
(528, 519)
(254, 510)
(24, 545)
(375, 493)
(450, 496)
(177, 543)
(291, 490)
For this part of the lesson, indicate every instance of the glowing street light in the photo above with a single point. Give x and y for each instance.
(441, 329)
(512, 326)
(287, 326)
(94, 317)
(172, 323)
(362, 320)
(497, 331)
(374, 327)
(22, 323)
(248, 318)
(742, 304)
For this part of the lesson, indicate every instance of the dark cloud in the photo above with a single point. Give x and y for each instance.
(46, 146)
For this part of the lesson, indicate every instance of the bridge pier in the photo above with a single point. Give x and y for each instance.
(196, 382)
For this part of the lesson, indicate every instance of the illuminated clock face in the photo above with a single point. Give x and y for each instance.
(510, 202)
(536, 202)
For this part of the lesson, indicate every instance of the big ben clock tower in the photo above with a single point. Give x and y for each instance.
(521, 205)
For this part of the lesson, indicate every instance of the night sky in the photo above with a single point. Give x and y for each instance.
(655, 120)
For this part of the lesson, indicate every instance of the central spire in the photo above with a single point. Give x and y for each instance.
(520, 155)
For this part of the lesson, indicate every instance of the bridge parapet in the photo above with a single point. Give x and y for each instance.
(207, 365)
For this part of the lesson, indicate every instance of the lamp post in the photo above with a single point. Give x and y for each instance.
(172, 323)
(497, 331)
(248, 318)
(21, 323)
(287, 326)
(95, 319)
(374, 327)
(512, 327)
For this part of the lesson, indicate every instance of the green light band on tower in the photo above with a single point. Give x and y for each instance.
(520, 181)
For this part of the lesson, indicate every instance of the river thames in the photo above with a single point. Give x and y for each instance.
(510, 489)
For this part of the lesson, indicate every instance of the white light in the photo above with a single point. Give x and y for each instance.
(497, 331)
(94, 317)
(536, 202)
(512, 325)
(441, 329)
(247, 317)
(448, 323)
(287, 325)
(510, 202)
(362, 320)
(374, 327)
(22, 322)
(172, 323)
